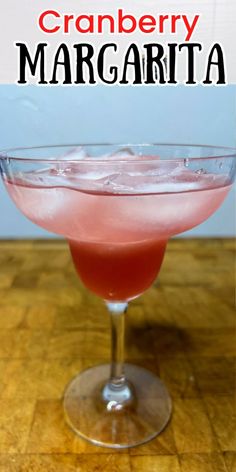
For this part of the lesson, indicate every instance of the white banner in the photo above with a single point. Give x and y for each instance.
(87, 42)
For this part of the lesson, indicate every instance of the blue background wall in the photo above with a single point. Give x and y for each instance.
(37, 115)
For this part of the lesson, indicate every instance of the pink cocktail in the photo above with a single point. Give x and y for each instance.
(118, 241)
(117, 212)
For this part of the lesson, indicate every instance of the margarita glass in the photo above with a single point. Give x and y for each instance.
(117, 206)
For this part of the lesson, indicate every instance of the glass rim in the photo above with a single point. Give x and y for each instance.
(91, 160)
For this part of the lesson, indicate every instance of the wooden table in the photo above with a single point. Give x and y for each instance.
(183, 328)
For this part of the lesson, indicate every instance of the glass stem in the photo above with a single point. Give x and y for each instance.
(117, 393)
(117, 312)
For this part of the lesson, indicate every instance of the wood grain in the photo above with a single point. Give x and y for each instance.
(183, 329)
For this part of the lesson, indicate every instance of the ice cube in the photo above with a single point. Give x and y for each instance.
(122, 153)
(75, 153)
(64, 167)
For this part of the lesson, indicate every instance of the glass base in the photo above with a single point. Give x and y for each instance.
(117, 417)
